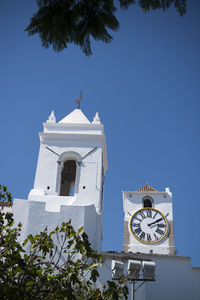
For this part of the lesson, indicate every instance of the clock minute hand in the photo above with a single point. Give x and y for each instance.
(155, 221)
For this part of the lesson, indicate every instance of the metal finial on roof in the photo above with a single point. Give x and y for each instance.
(78, 101)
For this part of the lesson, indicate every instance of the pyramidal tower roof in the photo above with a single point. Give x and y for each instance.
(147, 188)
(75, 117)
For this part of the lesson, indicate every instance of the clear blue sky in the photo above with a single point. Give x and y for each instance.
(145, 86)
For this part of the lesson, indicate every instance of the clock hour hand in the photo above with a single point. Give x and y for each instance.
(155, 221)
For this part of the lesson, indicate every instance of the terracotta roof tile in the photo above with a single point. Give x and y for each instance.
(147, 188)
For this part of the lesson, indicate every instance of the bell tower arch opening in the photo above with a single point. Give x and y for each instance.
(147, 202)
(68, 178)
(68, 173)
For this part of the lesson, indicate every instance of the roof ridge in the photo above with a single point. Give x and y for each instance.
(147, 188)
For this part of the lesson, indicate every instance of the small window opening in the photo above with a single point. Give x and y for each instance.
(147, 203)
(68, 177)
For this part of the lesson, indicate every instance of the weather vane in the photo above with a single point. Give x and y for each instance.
(79, 100)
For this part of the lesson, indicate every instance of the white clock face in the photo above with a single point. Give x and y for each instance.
(148, 225)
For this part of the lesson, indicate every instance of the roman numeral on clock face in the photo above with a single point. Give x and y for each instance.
(148, 225)
(156, 238)
(161, 225)
(137, 231)
(136, 224)
(142, 235)
(136, 218)
(149, 214)
(141, 214)
(155, 215)
(159, 231)
(149, 238)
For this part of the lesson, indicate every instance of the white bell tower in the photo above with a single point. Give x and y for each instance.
(148, 221)
(69, 178)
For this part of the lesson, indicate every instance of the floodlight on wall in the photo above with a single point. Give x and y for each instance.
(117, 269)
(133, 268)
(148, 269)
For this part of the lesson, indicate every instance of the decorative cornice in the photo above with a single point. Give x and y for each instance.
(123, 256)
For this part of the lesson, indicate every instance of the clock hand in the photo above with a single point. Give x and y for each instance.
(52, 151)
(155, 221)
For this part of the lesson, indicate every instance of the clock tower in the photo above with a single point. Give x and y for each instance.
(148, 221)
(69, 178)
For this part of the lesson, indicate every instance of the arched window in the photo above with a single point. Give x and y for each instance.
(68, 177)
(147, 202)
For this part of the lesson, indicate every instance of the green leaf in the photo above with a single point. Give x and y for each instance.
(44, 267)
(80, 230)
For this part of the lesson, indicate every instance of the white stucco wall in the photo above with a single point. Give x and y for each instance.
(34, 218)
(196, 283)
(175, 279)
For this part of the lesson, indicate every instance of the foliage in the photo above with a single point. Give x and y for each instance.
(61, 22)
(5, 196)
(55, 265)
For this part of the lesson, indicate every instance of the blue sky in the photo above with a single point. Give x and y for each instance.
(145, 86)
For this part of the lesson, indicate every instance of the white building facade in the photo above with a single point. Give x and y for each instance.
(149, 235)
(69, 184)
